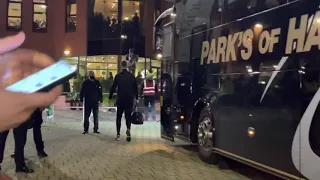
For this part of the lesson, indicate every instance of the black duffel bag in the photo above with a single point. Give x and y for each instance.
(136, 116)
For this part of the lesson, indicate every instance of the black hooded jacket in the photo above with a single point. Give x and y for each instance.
(91, 92)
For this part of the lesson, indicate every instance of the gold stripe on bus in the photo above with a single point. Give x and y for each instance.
(279, 172)
(161, 100)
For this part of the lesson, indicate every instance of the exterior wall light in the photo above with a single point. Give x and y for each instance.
(67, 52)
(159, 56)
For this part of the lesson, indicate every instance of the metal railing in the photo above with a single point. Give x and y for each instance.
(74, 100)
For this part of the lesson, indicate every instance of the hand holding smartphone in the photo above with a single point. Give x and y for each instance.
(45, 79)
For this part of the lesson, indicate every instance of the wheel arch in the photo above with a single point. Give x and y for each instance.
(198, 107)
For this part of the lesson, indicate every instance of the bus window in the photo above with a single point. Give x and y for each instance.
(283, 90)
(196, 42)
(216, 13)
(237, 9)
(233, 89)
(183, 90)
(167, 41)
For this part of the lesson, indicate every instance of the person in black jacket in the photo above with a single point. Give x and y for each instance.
(91, 93)
(127, 92)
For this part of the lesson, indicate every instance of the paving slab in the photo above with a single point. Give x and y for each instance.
(73, 156)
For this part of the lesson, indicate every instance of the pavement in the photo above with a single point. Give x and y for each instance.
(73, 156)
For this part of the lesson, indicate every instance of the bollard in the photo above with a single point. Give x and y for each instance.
(49, 110)
(79, 105)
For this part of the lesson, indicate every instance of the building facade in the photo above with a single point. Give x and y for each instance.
(90, 34)
(47, 24)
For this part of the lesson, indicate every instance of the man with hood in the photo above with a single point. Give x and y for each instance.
(91, 94)
(148, 91)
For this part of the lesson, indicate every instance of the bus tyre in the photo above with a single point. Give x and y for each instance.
(206, 138)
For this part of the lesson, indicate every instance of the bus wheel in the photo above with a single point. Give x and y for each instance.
(206, 138)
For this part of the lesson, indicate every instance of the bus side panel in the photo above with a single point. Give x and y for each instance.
(263, 95)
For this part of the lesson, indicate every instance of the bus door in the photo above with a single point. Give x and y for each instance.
(156, 75)
(167, 83)
(197, 74)
(166, 100)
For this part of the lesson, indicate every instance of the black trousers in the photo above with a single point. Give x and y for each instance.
(88, 108)
(125, 107)
(20, 139)
(149, 99)
(3, 139)
(37, 137)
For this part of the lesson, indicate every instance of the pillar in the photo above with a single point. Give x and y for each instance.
(120, 9)
(148, 26)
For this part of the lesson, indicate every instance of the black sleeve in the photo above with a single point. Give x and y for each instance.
(113, 87)
(82, 91)
(135, 87)
(100, 92)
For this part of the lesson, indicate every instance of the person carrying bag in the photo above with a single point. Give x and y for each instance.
(127, 93)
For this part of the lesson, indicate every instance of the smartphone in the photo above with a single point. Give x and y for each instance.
(45, 79)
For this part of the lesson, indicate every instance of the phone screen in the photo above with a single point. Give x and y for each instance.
(43, 78)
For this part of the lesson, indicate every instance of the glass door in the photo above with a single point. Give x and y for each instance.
(166, 83)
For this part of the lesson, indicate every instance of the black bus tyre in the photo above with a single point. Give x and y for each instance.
(205, 136)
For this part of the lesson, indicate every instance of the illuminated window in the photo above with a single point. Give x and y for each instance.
(40, 15)
(237, 9)
(14, 15)
(71, 15)
(131, 10)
